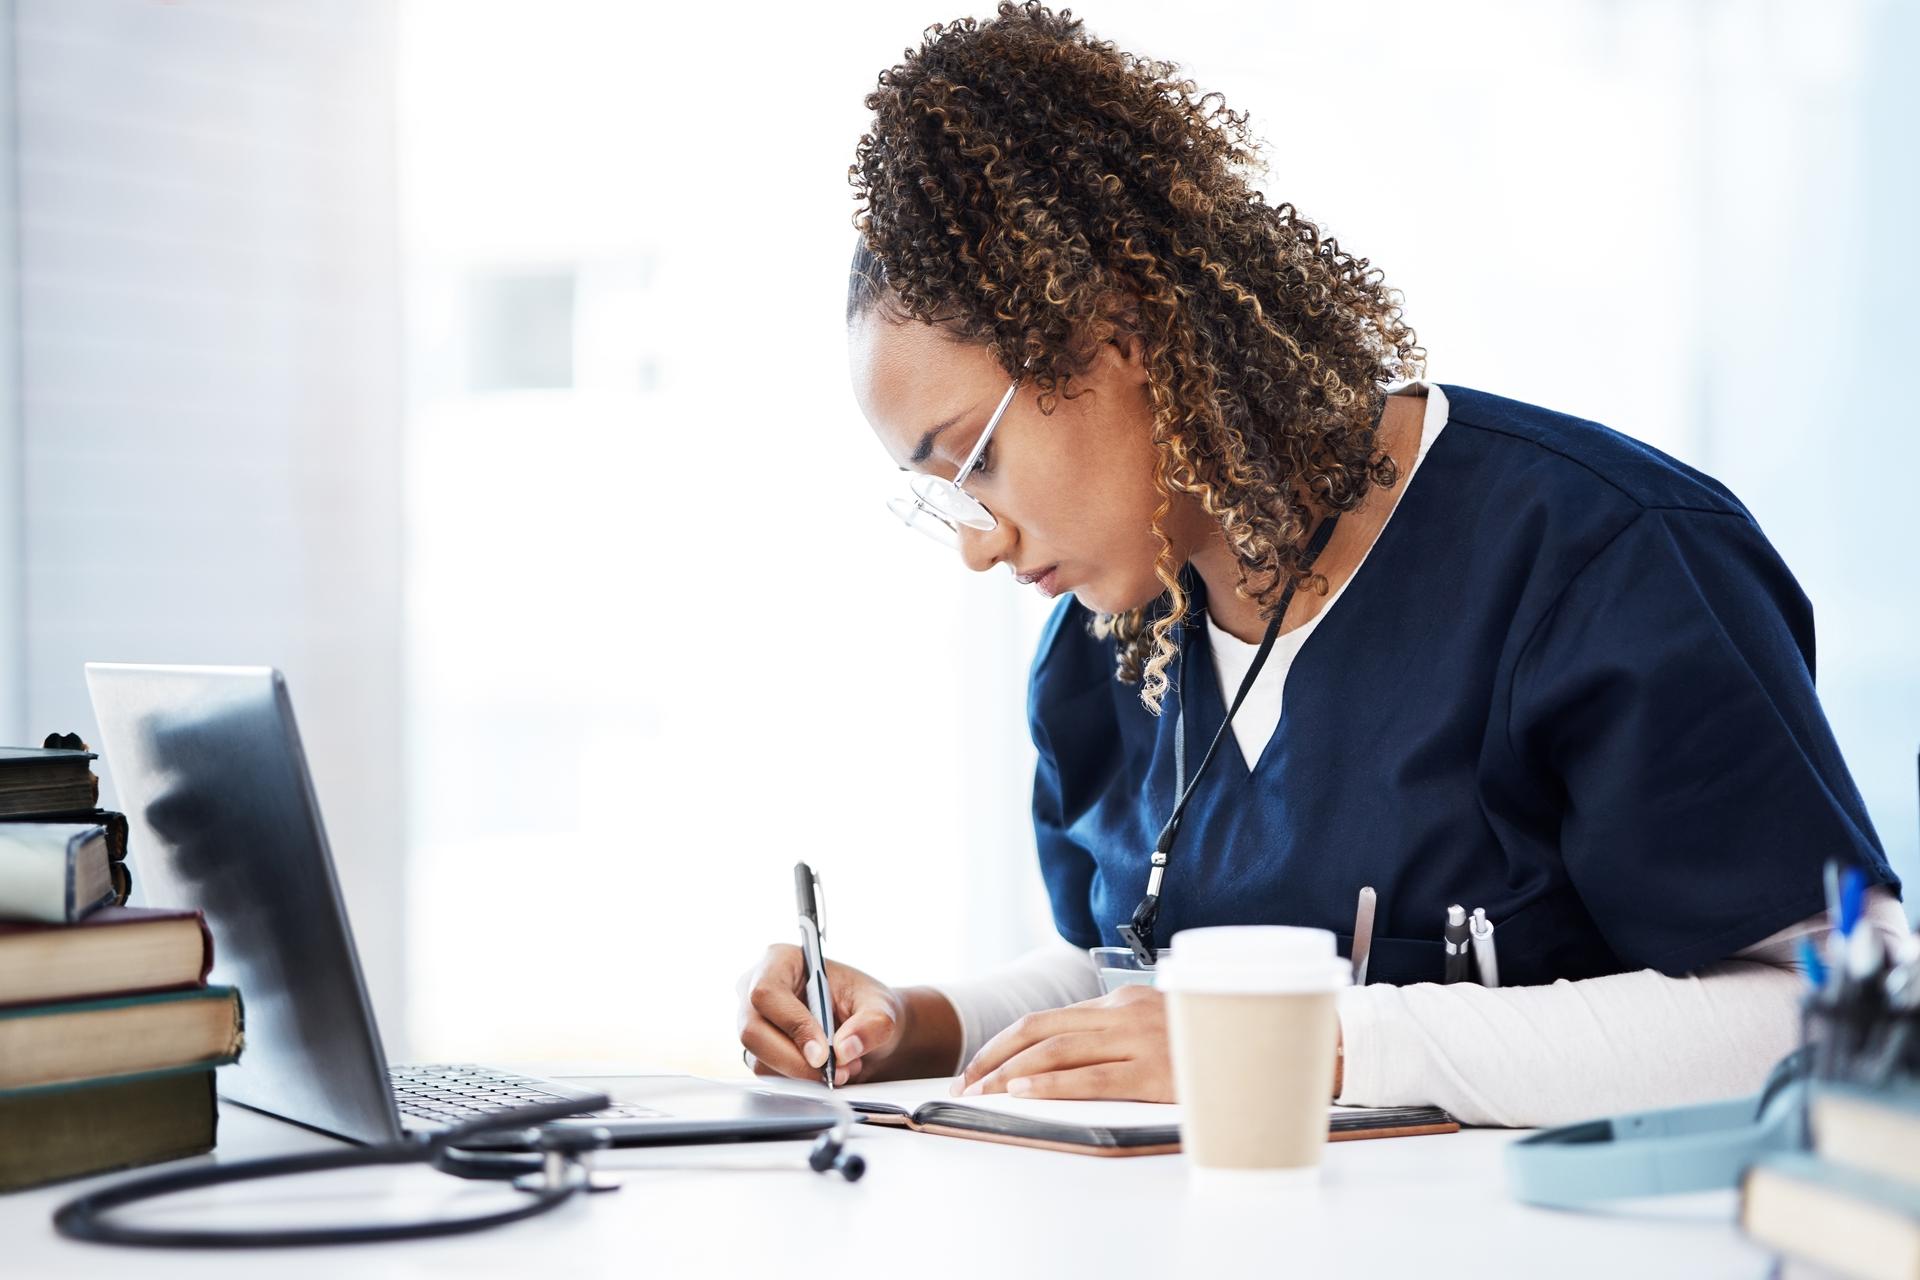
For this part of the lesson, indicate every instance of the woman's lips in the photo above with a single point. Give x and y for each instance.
(1045, 579)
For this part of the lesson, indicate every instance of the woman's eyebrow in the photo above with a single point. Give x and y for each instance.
(924, 450)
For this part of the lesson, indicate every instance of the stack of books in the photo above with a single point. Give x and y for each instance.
(109, 1033)
(1851, 1206)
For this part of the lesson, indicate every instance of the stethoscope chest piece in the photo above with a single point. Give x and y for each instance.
(565, 1153)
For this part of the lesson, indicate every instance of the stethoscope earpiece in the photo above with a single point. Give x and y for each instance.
(830, 1153)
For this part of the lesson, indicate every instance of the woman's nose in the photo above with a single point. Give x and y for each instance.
(981, 549)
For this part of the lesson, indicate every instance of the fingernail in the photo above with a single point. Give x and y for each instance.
(978, 1086)
(851, 1047)
(1019, 1084)
(841, 1075)
(815, 1053)
(953, 1090)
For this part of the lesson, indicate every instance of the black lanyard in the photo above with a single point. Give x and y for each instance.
(1138, 932)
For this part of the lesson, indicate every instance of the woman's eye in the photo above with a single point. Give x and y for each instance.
(981, 464)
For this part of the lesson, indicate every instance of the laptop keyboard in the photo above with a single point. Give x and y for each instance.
(450, 1095)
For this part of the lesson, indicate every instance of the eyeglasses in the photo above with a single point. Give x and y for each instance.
(939, 507)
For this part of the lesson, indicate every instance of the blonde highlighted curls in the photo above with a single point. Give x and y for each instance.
(1040, 191)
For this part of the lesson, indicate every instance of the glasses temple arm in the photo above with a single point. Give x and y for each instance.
(980, 445)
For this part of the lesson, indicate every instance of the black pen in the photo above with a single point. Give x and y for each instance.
(806, 886)
(1457, 939)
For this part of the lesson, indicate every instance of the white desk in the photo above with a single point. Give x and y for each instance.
(931, 1206)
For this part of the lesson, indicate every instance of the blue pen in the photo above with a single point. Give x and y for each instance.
(1816, 969)
(1853, 890)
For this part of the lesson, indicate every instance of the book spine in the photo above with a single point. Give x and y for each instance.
(112, 819)
(84, 1026)
(33, 885)
(70, 888)
(101, 1127)
(206, 947)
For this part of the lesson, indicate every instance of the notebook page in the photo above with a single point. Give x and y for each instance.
(1100, 1113)
(905, 1094)
(909, 1094)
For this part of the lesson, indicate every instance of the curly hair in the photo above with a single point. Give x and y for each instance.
(1039, 191)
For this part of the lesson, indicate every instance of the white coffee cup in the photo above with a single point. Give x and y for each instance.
(1252, 1020)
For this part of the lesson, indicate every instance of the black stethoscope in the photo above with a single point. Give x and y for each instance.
(1138, 933)
(552, 1169)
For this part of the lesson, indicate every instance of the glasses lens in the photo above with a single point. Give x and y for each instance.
(918, 516)
(954, 503)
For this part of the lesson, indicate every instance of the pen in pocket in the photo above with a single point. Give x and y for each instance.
(1362, 936)
(1481, 930)
(1456, 938)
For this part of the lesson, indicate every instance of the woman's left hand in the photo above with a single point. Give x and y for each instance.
(1114, 1046)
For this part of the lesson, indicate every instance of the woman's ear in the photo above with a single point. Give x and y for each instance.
(1126, 356)
(1112, 342)
(1125, 345)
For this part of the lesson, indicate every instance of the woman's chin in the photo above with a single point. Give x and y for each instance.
(1104, 598)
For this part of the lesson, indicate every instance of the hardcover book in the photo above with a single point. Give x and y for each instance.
(53, 872)
(48, 1045)
(1849, 1222)
(1873, 1130)
(116, 827)
(92, 1128)
(46, 780)
(116, 950)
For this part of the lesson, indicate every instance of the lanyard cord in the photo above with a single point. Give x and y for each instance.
(1138, 933)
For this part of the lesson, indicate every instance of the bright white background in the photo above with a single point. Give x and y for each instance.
(650, 635)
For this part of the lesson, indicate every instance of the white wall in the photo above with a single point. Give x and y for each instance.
(13, 565)
(209, 370)
(663, 637)
(637, 684)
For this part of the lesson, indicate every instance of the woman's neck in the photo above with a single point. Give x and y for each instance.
(1240, 618)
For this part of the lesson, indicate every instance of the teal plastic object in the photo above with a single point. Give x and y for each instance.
(1654, 1153)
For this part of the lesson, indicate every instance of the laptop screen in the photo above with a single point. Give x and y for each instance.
(222, 818)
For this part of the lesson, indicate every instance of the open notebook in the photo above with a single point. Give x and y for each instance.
(1089, 1128)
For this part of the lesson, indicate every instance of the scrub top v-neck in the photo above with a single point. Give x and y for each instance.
(1573, 686)
(1232, 657)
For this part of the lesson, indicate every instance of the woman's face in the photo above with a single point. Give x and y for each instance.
(1072, 491)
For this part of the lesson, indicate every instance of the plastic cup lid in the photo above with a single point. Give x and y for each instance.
(1254, 959)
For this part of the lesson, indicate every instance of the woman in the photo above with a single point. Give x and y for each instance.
(1528, 665)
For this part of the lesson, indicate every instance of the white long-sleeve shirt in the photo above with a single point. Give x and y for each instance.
(1516, 1056)
(1491, 1055)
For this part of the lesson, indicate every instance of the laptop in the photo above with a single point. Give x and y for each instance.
(224, 820)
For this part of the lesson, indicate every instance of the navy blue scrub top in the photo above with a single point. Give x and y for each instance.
(1572, 684)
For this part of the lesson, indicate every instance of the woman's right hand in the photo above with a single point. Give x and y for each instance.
(881, 1033)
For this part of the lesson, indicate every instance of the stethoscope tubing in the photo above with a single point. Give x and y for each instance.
(558, 1174)
(83, 1218)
